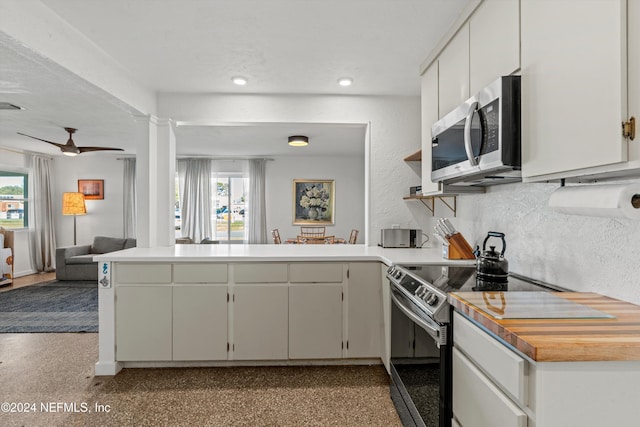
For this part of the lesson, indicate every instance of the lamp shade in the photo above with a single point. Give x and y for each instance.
(73, 204)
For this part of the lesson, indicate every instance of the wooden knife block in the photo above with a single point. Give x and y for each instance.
(458, 248)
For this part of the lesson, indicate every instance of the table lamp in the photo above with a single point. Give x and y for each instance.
(73, 204)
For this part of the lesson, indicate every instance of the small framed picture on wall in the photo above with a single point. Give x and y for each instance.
(93, 189)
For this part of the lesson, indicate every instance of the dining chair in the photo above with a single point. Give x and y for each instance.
(312, 231)
(276, 236)
(208, 241)
(353, 237)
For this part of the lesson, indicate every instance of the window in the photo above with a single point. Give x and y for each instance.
(13, 200)
(229, 215)
(229, 202)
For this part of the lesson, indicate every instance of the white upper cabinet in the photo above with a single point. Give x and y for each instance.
(429, 115)
(494, 42)
(574, 86)
(453, 72)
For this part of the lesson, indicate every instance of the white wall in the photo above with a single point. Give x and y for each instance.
(104, 217)
(348, 173)
(582, 253)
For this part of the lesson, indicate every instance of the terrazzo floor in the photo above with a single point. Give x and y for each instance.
(47, 380)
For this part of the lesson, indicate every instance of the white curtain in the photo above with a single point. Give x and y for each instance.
(129, 203)
(256, 202)
(195, 198)
(44, 240)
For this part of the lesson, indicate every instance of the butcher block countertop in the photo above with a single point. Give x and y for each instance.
(561, 339)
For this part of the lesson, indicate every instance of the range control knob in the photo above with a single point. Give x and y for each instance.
(431, 299)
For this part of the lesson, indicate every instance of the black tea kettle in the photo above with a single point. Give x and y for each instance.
(491, 266)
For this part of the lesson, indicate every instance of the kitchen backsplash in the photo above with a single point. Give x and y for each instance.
(582, 253)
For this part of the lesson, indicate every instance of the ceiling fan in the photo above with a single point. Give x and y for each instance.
(70, 148)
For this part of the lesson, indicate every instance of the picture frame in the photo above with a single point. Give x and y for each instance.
(313, 201)
(93, 189)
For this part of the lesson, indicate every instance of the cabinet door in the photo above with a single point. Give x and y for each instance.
(634, 74)
(364, 310)
(143, 323)
(479, 403)
(315, 321)
(494, 42)
(453, 72)
(386, 318)
(429, 115)
(200, 322)
(260, 322)
(573, 85)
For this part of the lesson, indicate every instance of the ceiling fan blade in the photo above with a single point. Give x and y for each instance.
(85, 149)
(43, 140)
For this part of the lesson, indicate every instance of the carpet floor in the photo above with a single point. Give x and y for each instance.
(57, 369)
(56, 306)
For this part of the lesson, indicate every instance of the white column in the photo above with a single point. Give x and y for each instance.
(155, 182)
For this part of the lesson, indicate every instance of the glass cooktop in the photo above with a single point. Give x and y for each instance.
(463, 279)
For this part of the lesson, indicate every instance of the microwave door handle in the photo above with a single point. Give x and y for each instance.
(467, 134)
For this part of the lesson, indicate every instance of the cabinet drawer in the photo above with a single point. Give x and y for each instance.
(200, 273)
(504, 366)
(316, 272)
(477, 402)
(143, 273)
(260, 273)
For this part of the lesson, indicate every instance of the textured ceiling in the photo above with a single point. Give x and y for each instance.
(196, 46)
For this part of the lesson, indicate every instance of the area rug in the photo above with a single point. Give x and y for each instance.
(56, 306)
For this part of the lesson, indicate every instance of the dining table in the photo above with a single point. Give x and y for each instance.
(315, 240)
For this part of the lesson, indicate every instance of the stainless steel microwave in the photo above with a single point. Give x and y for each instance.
(478, 143)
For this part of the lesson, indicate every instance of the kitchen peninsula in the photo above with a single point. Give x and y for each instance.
(206, 305)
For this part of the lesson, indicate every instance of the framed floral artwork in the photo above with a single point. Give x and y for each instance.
(313, 201)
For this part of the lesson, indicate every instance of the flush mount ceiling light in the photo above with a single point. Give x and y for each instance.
(239, 80)
(345, 81)
(298, 141)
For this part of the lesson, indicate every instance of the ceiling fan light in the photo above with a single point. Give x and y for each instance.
(70, 153)
(298, 141)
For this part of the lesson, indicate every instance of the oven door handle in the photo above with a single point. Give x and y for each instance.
(432, 328)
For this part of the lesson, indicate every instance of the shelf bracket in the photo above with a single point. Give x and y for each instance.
(455, 203)
(432, 208)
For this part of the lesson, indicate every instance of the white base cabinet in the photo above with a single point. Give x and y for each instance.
(315, 321)
(200, 322)
(260, 322)
(143, 323)
(247, 312)
(364, 311)
(493, 385)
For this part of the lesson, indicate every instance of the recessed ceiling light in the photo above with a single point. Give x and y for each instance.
(345, 81)
(298, 141)
(239, 80)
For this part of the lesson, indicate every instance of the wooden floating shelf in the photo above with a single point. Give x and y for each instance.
(429, 201)
(415, 157)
